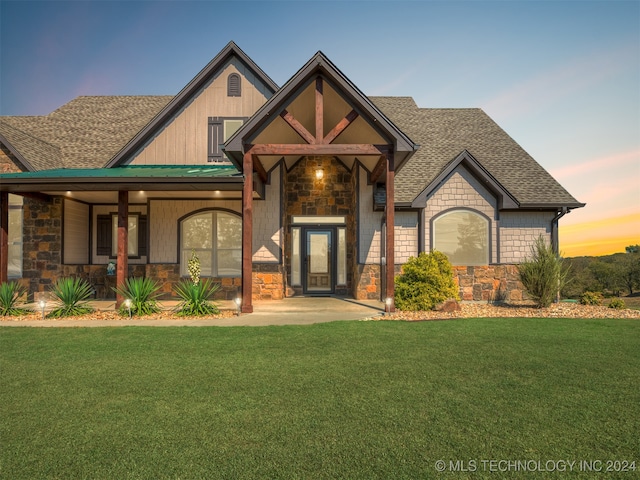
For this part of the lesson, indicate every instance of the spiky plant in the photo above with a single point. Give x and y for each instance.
(195, 297)
(72, 296)
(143, 293)
(543, 274)
(10, 294)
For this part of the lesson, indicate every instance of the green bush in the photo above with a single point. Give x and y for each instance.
(10, 294)
(426, 280)
(544, 274)
(617, 303)
(195, 297)
(591, 298)
(71, 295)
(143, 294)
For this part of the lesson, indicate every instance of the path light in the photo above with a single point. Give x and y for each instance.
(238, 301)
(387, 306)
(42, 305)
(127, 304)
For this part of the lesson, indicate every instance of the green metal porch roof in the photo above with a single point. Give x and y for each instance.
(130, 171)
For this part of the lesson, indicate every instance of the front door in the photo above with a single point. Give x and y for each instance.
(318, 253)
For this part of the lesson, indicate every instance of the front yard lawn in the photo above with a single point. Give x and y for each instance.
(337, 400)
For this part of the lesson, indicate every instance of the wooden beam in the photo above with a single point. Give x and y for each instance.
(340, 127)
(319, 111)
(122, 265)
(247, 234)
(390, 224)
(4, 237)
(298, 127)
(330, 149)
(379, 170)
(259, 169)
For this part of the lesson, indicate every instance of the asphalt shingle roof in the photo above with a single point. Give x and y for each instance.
(443, 133)
(88, 131)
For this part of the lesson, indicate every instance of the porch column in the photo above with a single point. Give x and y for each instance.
(123, 243)
(247, 234)
(390, 233)
(4, 236)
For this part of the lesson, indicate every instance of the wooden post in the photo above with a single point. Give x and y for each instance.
(122, 270)
(390, 234)
(247, 234)
(4, 236)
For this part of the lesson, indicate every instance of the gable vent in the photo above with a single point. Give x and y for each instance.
(233, 85)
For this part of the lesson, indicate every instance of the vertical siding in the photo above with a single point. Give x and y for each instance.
(462, 189)
(267, 232)
(183, 141)
(519, 231)
(76, 232)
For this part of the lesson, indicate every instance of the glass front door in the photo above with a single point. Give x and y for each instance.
(319, 262)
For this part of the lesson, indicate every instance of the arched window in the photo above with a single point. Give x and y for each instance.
(234, 86)
(216, 237)
(463, 235)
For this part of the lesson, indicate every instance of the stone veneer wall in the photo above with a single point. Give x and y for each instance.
(334, 194)
(489, 283)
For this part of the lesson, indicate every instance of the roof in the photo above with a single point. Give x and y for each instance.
(445, 133)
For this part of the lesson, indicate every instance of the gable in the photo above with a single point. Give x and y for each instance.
(184, 138)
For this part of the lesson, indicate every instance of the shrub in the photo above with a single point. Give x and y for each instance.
(544, 274)
(10, 293)
(195, 297)
(591, 298)
(617, 303)
(72, 295)
(426, 280)
(143, 293)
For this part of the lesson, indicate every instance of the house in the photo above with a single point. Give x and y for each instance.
(312, 188)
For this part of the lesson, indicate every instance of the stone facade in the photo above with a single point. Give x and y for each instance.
(7, 164)
(268, 281)
(334, 194)
(492, 283)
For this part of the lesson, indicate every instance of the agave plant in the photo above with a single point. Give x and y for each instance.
(72, 296)
(143, 293)
(195, 297)
(10, 293)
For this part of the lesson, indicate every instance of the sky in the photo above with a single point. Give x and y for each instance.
(560, 77)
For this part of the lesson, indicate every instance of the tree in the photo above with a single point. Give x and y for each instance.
(632, 249)
(630, 271)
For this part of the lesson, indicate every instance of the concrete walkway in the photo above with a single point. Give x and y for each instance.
(290, 311)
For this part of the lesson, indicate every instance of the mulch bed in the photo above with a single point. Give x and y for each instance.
(113, 315)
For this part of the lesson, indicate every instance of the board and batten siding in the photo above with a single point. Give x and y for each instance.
(184, 140)
(76, 233)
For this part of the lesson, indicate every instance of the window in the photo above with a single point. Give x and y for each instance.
(14, 267)
(216, 237)
(234, 85)
(220, 130)
(107, 235)
(463, 235)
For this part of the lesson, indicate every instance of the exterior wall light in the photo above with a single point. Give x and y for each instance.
(319, 173)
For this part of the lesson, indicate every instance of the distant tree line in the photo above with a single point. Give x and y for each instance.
(610, 274)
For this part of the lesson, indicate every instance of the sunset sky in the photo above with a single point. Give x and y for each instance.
(561, 77)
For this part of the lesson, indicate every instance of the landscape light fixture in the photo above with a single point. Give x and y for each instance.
(238, 301)
(387, 306)
(42, 304)
(127, 304)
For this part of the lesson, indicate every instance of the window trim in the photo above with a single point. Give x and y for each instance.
(214, 247)
(432, 232)
(216, 138)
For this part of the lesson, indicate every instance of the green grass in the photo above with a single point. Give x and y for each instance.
(338, 400)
